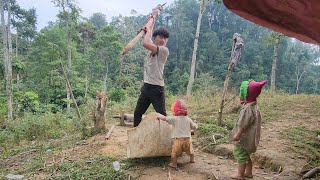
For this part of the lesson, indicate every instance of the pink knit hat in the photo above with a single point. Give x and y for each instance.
(254, 90)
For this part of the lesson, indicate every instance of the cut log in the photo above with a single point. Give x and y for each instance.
(127, 117)
(311, 173)
(151, 138)
(109, 133)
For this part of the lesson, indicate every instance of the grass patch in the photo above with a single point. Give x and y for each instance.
(205, 134)
(152, 161)
(99, 167)
(305, 142)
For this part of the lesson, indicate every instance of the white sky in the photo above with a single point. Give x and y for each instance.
(47, 12)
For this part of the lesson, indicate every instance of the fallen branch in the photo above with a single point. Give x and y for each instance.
(109, 133)
(311, 173)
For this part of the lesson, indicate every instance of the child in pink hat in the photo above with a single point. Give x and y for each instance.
(181, 131)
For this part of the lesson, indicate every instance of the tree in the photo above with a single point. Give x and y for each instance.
(87, 33)
(25, 23)
(300, 57)
(274, 62)
(68, 15)
(107, 49)
(98, 19)
(203, 5)
(7, 49)
(275, 40)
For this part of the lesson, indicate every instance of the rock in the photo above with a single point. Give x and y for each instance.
(116, 165)
(12, 176)
(223, 150)
(151, 138)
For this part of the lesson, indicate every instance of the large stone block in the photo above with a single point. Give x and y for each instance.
(150, 139)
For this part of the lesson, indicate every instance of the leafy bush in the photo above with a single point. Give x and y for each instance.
(31, 127)
(27, 101)
(117, 95)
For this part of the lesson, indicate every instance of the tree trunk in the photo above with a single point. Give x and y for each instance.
(70, 91)
(6, 36)
(298, 78)
(297, 87)
(86, 88)
(106, 78)
(18, 75)
(68, 70)
(51, 77)
(68, 100)
(203, 5)
(99, 117)
(17, 36)
(121, 64)
(274, 63)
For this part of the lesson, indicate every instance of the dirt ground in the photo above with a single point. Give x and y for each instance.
(272, 152)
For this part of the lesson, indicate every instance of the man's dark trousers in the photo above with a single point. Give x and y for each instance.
(150, 94)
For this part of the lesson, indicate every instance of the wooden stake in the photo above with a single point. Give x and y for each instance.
(225, 87)
(226, 81)
(109, 133)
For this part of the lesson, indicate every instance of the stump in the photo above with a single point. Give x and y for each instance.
(99, 117)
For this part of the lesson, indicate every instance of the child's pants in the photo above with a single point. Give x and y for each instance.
(181, 145)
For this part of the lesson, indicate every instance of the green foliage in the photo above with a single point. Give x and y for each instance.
(27, 101)
(98, 19)
(211, 128)
(42, 127)
(117, 94)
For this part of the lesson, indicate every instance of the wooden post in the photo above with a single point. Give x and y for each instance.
(234, 57)
(122, 123)
(225, 87)
(70, 90)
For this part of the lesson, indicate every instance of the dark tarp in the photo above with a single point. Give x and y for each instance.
(295, 18)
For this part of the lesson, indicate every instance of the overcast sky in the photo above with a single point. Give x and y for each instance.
(47, 12)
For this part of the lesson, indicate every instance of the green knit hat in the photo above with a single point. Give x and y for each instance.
(244, 89)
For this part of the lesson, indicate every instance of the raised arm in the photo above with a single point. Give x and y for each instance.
(147, 41)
